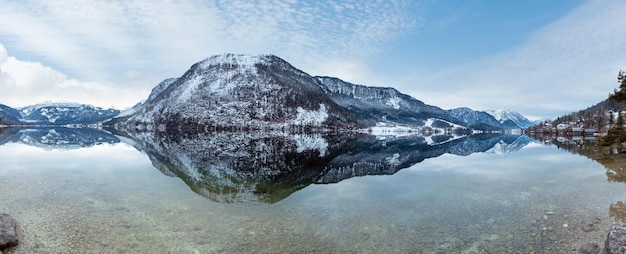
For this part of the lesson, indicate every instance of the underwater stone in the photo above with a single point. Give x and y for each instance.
(596, 220)
(590, 248)
(8, 231)
(588, 227)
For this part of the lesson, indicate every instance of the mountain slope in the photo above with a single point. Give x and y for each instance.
(503, 115)
(55, 114)
(65, 113)
(8, 115)
(472, 117)
(381, 104)
(238, 92)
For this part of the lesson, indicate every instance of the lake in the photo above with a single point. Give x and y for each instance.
(88, 191)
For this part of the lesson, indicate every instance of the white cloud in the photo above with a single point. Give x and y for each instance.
(566, 66)
(106, 40)
(26, 83)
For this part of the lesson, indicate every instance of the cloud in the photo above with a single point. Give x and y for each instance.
(26, 83)
(568, 65)
(106, 40)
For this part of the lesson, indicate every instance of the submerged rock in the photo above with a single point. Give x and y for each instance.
(588, 227)
(590, 248)
(8, 231)
(616, 239)
(596, 220)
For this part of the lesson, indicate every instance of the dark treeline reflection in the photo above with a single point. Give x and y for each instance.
(611, 157)
(268, 167)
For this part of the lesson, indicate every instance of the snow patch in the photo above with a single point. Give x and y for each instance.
(394, 102)
(311, 117)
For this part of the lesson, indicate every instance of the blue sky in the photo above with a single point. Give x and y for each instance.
(540, 58)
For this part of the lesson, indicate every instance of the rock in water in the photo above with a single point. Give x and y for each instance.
(616, 239)
(590, 248)
(8, 231)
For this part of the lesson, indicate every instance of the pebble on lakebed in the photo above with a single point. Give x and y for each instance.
(588, 227)
(596, 220)
(590, 248)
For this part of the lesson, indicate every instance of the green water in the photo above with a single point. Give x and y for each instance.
(109, 198)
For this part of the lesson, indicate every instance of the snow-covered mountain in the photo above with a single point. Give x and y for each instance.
(238, 92)
(504, 119)
(242, 92)
(503, 115)
(473, 118)
(381, 104)
(9, 115)
(56, 114)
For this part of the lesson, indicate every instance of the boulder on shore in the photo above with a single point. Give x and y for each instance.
(8, 231)
(616, 239)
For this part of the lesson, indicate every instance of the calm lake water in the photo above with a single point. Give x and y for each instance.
(91, 192)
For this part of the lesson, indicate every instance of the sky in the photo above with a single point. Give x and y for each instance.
(541, 58)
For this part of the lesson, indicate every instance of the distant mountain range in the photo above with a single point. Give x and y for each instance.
(242, 92)
(56, 114)
(484, 120)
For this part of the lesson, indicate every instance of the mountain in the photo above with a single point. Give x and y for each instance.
(479, 120)
(381, 104)
(518, 119)
(9, 115)
(238, 92)
(55, 114)
(241, 92)
(65, 113)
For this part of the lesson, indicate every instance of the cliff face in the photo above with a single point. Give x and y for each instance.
(382, 104)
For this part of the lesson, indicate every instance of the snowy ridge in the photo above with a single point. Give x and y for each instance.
(381, 104)
(471, 116)
(63, 114)
(48, 104)
(503, 115)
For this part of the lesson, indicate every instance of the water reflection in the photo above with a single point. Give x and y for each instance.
(57, 137)
(110, 198)
(268, 167)
(612, 158)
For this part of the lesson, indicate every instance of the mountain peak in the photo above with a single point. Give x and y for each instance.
(238, 60)
(503, 115)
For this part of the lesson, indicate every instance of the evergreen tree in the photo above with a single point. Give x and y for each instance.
(619, 95)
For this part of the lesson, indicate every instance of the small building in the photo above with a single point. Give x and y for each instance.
(576, 131)
(589, 131)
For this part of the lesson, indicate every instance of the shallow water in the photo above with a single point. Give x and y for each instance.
(109, 198)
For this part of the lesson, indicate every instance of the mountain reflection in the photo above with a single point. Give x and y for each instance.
(268, 167)
(57, 137)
